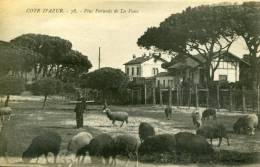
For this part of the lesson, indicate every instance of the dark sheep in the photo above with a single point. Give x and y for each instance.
(145, 130)
(209, 113)
(125, 145)
(116, 116)
(99, 147)
(162, 143)
(214, 131)
(246, 124)
(168, 112)
(196, 119)
(3, 144)
(48, 142)
(193, 144)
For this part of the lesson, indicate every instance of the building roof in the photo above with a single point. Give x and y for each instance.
(189, 62)
(140, 60)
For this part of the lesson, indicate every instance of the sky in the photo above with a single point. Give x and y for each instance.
(115, 26)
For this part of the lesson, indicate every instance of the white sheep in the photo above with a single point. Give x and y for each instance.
(116, 116)
(77, 142)
(5, 111)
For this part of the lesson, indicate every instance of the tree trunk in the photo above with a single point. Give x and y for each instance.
(7, 100)
(44, 102)
(254, 70)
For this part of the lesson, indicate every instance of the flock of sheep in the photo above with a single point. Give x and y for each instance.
(105, 146)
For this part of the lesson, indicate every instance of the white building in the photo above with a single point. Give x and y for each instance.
(144, 66)
(227, 70)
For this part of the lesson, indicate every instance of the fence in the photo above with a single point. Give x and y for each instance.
(221, 98)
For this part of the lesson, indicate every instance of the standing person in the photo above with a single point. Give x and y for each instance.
(79, 110)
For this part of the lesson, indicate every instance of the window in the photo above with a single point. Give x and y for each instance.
(155, 71)
(133, 71)
(163, 83)
(222, 77)
(127, 70)
(138, 71)
(158, 83)
(170, 83)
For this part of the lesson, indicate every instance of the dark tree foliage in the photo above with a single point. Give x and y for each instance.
(246, 23)
(14, 59)
(201, 30)
(46, 86)
(112, 82)
(11, 85)
(57, 57)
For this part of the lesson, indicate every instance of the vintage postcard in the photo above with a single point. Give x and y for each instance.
(129, 83)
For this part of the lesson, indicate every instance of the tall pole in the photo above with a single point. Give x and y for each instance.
(98, 57)
(258, 98)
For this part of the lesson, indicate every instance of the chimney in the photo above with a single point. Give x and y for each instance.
(134, 56)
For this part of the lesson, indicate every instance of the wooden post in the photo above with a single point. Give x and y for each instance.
(230, 99)
(170, 96)
(132, 97)
(258, 99)
(154, 96)
(177, 94)
(218, 104)
(145, 93)
(161, 100)
(207, 98)
(243, 99)
(140, 95)
(197, 97)
(189, 101)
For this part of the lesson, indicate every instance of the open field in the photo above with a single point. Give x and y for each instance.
(29, 120)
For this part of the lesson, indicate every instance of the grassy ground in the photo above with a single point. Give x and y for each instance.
(29, 120)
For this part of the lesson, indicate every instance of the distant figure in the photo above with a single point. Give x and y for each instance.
(168, 112)
(79, 110)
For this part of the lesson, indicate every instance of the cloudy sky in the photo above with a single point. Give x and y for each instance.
(87, 27)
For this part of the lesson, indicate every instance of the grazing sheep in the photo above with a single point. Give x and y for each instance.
(145, 130)
(5, 111)
(100, 146)
(3, 144)
(210, 112)
(246, 124)
(168, 112)
(125, 145)
(42, 145)
(78, 141)
(214, 131)
(162, 143)
(193, 144)
(116, 116)
(196, 119)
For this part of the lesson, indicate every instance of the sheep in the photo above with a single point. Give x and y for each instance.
(42, 145)
(214, 131)
(193, 144)
(209, 112)
(196, 119)
(125, 145)
(168, 112)
(145, 130)
(247, 124)
(100, 146)
(162, 143)
(78, 141)
(5, 111)
(116, 116)
(3, 144)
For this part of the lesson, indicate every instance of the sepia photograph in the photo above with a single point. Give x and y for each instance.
(129, 83)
